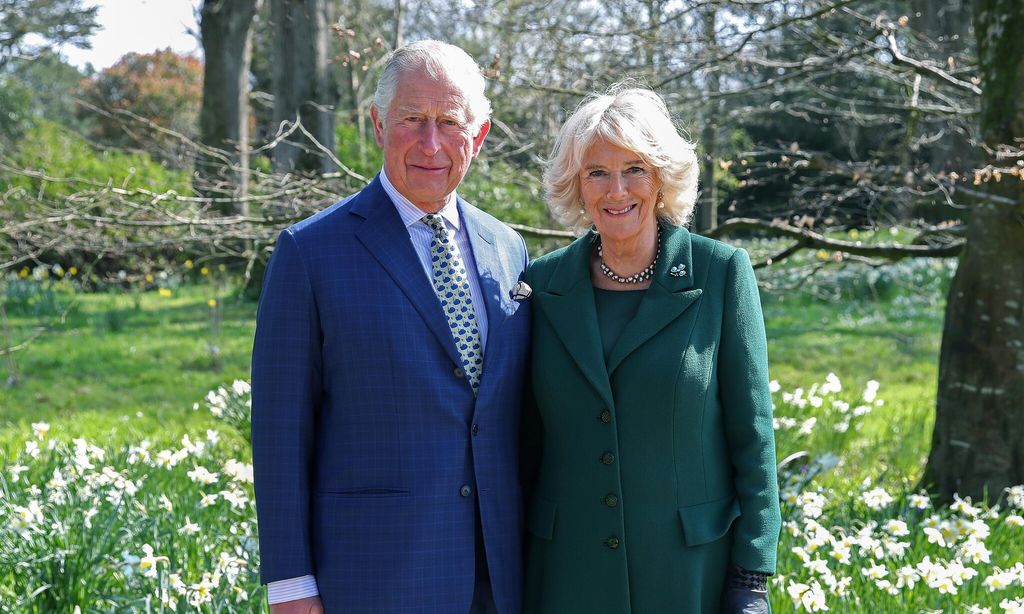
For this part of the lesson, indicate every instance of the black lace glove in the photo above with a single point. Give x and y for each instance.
(746, 592)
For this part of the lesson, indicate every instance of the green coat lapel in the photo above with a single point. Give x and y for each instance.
(568, 303)
(667, 298)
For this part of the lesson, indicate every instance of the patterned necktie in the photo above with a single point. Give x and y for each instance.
(451, 283)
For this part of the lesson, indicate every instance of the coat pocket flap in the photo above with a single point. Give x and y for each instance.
(706, 522)
(541, 519)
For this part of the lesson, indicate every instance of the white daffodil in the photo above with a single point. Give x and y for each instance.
(875, 572)
(40, 429)
(201, 475)
(975, 551)
(1012, 606)
(174, 580)
(876, 498)
(235, 497)
(147, 563)
(1014, 520)
(896, 527)
(871, 391)
(906, 576)
(32, 448)
(208, 499)
(16, 470)
(88, 515)
(963, 506)
(1015, 496)
(919, 502)
(998, 581)
(189, 528)
(935, 536)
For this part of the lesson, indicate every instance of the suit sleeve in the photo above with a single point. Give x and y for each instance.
(747, 407)
(286, 383)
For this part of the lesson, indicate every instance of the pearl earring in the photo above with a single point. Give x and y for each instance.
(661, 202)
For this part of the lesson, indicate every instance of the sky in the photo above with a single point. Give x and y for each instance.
(138, 25)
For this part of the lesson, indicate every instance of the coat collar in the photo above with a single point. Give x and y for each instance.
(385, 236)
(569, 303)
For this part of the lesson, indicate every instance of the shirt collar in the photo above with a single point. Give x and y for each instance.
(410, 213)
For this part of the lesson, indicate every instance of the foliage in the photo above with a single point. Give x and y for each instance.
(60, 154)
(53, 22)
(162, 87)
(52, 83)
(15, 110)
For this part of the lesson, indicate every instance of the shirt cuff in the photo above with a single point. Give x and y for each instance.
(292, 589)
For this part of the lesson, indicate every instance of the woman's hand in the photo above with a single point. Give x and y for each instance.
(746, 592)
(744, 601)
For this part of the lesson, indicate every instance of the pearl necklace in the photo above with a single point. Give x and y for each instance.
(636, 278)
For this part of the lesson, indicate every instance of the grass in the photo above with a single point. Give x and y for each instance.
(122, 365)
(119, 368)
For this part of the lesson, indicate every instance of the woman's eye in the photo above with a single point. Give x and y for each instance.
(596, 173)
(636, 170)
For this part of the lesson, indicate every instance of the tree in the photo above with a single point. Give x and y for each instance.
(978, 441)
(162, 88)
(226, 28)
(53, 22)
(303, 89)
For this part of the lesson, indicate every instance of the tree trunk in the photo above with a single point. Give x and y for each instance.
(302, 85)
(226, 27)
(707, 206)
(978, 442)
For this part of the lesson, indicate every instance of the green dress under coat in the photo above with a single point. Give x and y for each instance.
(656, 467)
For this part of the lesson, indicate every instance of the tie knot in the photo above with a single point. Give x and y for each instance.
(434, 222)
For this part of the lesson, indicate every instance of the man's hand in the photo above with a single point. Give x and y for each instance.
(309, 605)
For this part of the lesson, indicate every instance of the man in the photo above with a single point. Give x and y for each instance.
(388, 371)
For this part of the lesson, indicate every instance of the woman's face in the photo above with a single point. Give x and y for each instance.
(619, 191)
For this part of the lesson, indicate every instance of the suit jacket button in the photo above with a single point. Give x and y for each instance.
(459, 372)
(612, 542)
(465, 491)
(476, 430)
(607, 458)
(611, 500)
(606, 416)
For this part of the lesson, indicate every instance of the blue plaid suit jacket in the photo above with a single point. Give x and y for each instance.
(362, 431)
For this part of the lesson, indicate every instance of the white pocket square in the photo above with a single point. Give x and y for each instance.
(521, 291)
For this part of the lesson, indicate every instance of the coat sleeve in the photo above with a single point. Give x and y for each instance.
(286, 383)
(747, 407)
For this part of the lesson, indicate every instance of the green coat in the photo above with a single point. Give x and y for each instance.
(657, 470)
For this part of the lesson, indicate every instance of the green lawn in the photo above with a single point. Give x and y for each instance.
(126, 365)
(119, 368)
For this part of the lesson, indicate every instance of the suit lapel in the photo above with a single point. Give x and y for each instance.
(386, 238)
(569, 305)
(489, 270)
(668, 297)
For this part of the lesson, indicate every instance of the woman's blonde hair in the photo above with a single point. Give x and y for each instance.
(632, 118)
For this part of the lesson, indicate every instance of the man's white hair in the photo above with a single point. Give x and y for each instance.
(443, 62)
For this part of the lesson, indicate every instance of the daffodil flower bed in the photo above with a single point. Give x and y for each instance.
(171, 528)
(135, 529)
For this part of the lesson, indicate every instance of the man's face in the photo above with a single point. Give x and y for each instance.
(426, 138)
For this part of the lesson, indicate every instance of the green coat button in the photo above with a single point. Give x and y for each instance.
(612, 542)
(611, 500)
(607, 458)
(606, 416)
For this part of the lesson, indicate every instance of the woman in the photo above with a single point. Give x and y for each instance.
(656, 488)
